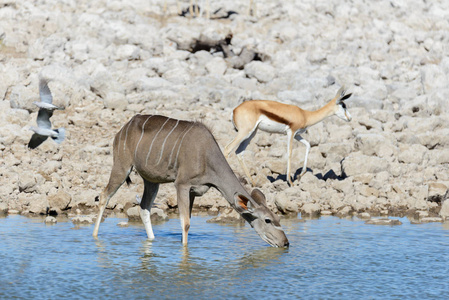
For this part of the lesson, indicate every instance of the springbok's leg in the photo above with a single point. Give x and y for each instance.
(118, 176)
(289, 155)
(149, 194)
(241, 141)
(208, 10)
(240, 150)
(164, 8)
(251, 8)
(241, 135)
(185, 202)
(307, 144)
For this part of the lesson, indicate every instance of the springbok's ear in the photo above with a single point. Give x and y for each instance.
(341, 95)
(345, 97)
(259, 197)
(341, 92)
(242, 203)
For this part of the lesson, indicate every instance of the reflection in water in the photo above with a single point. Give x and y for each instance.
(102, 258)
(329, 258)
(262, 257)
(186, 264)
(147, 262)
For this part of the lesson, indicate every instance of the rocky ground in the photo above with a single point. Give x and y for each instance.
(109, 60)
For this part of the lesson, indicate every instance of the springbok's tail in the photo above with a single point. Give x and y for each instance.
(232, 120)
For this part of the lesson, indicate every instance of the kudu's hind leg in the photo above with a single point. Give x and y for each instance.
(119, 174)
(149, 194)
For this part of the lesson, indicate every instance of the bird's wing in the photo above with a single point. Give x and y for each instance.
(43, 118)
(47, 106)
(36, 140)
(61, 135)
(44, 91)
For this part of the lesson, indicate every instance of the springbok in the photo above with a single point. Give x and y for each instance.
(275, 117)
(163, 150)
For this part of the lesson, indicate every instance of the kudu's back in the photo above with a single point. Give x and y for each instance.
(159, 146)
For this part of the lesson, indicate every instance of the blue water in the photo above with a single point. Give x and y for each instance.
(329, 258)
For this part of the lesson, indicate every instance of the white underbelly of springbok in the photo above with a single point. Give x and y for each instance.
(268, 125)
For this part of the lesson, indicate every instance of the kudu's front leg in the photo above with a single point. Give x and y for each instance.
(185, 203)
(117, 178)
(149, 194)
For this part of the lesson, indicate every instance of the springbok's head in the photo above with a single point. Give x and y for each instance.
(341, 109)
(256, 212)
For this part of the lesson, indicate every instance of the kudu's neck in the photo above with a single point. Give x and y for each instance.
(225, 181)
(319, 115)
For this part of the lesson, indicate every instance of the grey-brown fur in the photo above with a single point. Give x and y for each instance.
(165, 150)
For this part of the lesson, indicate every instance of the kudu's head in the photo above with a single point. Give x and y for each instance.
(341, 110)
(261, 218)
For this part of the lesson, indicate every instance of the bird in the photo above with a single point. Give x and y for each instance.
(46, 108)
(46, 97)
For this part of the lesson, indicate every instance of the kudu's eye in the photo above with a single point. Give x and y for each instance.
(343, 105)
(268, 221)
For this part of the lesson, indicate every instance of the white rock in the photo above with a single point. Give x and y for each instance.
(23, 97)
(50, 220)
(412, 154)
(263, 72)
(436, 102)
(217, 66)
(152, 83)
(83, 220)
(433, 78)
(114, 100)
(129, 52)
(356, 164)
(383, 221)
(444, 212)
(373, 144)
(438, 157)
(310, 209)
(298, 97)
(364, 215)
(38, 204)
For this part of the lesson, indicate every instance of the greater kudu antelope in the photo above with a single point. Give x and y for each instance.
(276, 117)
(165, 150)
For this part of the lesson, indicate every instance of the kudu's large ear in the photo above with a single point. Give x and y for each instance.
(242, 203)
(259, 197)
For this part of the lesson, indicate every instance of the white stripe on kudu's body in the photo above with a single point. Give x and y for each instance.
(180, 137)
(198, 165)
(126, 135)
(276, 117)
(141, 135)
(152, 142)
(180, 143)
(163, 144)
